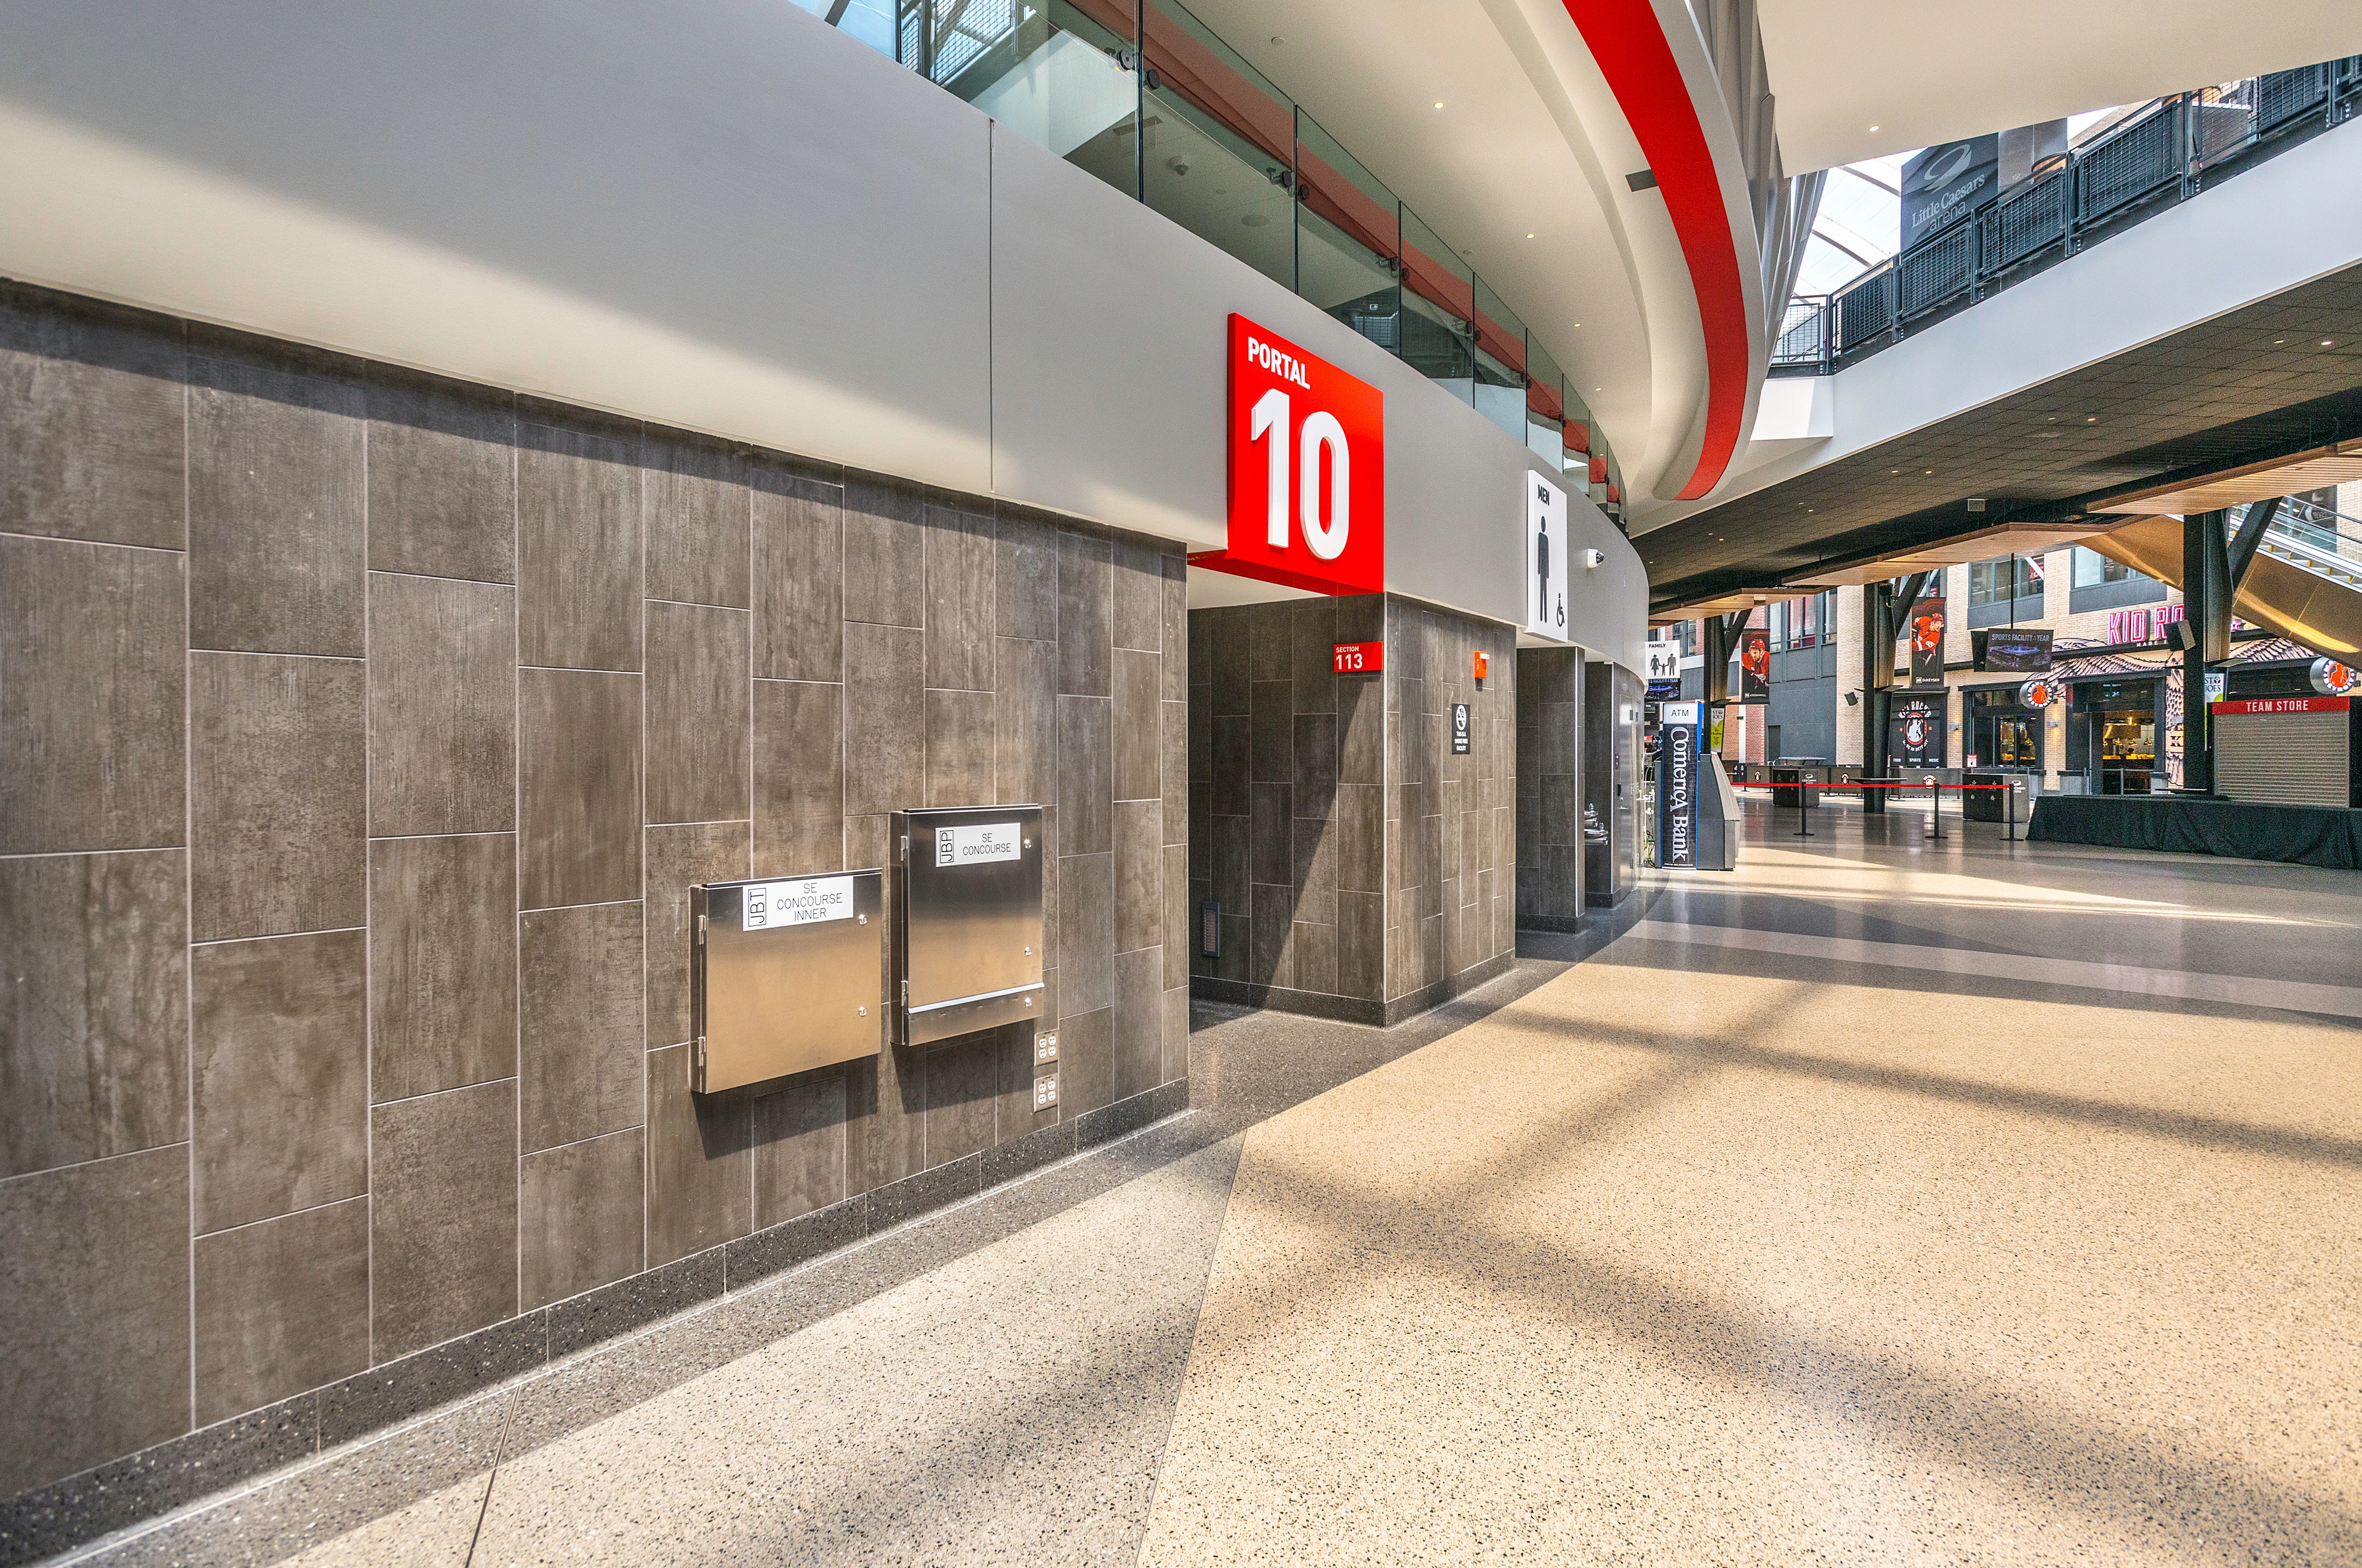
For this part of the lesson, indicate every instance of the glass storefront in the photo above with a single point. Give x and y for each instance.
(2112, 736)
(2003, 731)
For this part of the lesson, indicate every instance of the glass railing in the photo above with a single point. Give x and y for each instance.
(1146, 97)
(2170, 151)
(2322, 532)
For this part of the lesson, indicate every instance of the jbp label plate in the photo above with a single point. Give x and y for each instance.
(768, 904)
(981, 842)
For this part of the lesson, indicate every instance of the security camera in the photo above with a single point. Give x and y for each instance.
(1178, 165)
(1591, 558)
(1853, 698)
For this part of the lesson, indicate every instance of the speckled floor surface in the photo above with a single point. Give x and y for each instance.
(1887, 1203)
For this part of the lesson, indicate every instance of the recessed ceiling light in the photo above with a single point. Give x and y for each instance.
(1928, 470)
(1277, 40)
(2278, 341)
(1873, 127)
(2328, 343)
(1438, 102)
(1529, 236)
(2091, 419)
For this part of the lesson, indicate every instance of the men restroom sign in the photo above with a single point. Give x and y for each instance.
(1546, 553)
(1308, 469)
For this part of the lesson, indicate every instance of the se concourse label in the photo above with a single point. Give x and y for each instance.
(969, 846)
(1307, 460)
(763, 905)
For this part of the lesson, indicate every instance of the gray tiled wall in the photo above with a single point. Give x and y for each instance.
(1363, 869)
(1550, 788)
(360, 734)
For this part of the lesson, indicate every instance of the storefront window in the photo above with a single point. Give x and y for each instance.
(2113, 738)
(2003, 731)
(2092, 569)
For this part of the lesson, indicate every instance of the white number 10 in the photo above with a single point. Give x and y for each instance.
(1325, 536)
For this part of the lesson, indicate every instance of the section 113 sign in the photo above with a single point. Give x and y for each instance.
(1308, 466)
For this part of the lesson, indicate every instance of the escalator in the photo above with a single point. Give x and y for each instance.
(2305, 582)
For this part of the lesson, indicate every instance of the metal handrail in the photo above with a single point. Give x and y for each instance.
(2159, 157)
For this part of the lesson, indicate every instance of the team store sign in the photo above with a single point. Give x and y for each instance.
(1308, 457)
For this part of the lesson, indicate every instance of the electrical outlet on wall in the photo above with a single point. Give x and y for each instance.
(1045, 1093)
(1045, 1046)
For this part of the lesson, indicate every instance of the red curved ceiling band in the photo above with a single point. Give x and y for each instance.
(1626, 38)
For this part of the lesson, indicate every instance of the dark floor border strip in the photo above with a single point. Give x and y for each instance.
(80, 1508)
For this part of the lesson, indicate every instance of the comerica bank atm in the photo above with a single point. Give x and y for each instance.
(792, 974)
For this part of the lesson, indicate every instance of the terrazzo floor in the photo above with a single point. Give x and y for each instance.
(1887, 1201)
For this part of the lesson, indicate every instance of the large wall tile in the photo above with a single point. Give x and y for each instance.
(885, 543)
(960, 607)
(1174, 770)
(697, 713)
(95, 1020)
(1270, 757)
(578, 786)
(701, 1162)
(1026, 585)
(1136, 616)
(799, 778)
(443, 954)
(1139, 875)
(442, 706)
(1025, 722)
(798, 588)
(1137, 736)
(280, 1076)
(959, 748)
(442, 477)
(679, 857)
(581, 1219)
(800, 1147)
(93, 420)
(1312, 646)
(442, 1215)
(884, 718)
(577, 549)
(1086, 769)
(696, 520)
(1177, 638)
(1086, 1062)
(1179, 914)
(1139, 1021)
(963, 1089)
(93, 1314)
(581, 1022)
(278, 808)
(93, 655)
(278, 498)
(1085, 613)
(1085, 931)
(281, 1305)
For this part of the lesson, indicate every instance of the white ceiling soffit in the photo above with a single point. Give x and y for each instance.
(1858, 79)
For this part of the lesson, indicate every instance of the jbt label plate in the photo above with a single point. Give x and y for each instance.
(766, 904)
(984, 841)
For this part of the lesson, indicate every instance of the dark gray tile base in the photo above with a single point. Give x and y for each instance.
(633, 1303)
(1560, 924)
(1285, 999)
(1451, 985)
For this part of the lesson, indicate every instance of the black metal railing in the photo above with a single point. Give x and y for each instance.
(2165, 153)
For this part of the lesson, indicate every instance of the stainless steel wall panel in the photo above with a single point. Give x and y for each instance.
(967, 920)
(787, 976)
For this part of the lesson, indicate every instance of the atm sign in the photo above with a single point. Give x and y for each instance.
(1361, 658)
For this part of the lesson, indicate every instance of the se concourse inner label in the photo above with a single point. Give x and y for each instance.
(763, 905)
(985, 841)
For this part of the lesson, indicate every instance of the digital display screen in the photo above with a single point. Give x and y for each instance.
(2012, 648)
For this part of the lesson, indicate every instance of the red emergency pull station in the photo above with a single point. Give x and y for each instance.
(1480, 667)
(1361, 658)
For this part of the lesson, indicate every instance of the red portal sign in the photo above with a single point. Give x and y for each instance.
(1307, 455)
(1361, 658)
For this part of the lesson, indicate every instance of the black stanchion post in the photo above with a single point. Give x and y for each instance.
(1935, 805)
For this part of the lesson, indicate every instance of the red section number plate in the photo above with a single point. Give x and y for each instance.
(1361, 658)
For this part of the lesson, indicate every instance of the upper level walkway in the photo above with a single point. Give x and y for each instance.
(1889, 1201)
